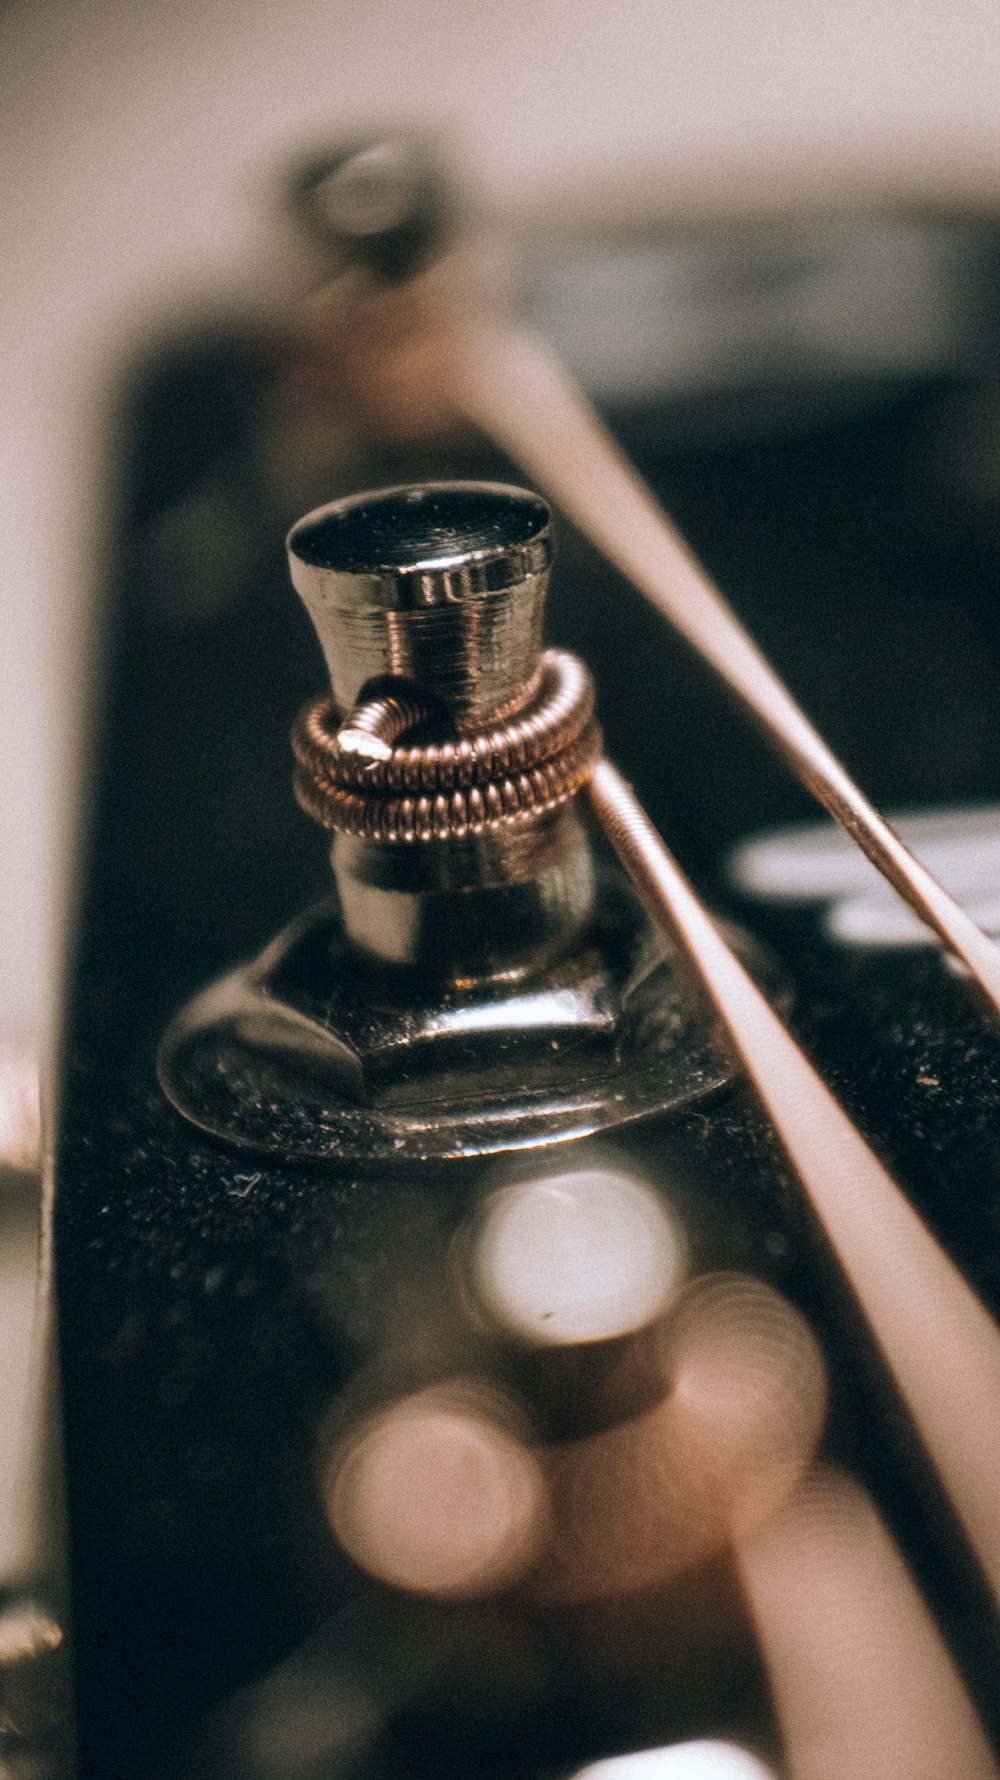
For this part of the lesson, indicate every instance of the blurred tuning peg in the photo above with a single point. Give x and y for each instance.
(383, 203)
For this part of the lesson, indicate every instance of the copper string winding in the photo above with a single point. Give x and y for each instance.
(513, 772)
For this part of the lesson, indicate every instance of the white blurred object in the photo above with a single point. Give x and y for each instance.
(816, 862)
(578, 1257)
(681, 1761)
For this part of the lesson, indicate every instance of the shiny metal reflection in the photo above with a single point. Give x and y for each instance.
(702, 1760)
(749, 1396)
(578, 1257)
(639, 1503)
(438, 1495)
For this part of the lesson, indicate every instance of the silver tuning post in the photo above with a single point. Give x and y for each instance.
(447, 758)
(484, 976)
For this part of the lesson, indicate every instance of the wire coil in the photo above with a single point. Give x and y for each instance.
(513, 772)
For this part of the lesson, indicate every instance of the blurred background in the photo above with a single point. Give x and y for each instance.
(140, 150)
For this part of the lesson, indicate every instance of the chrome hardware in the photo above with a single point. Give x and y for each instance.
(482, 981)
